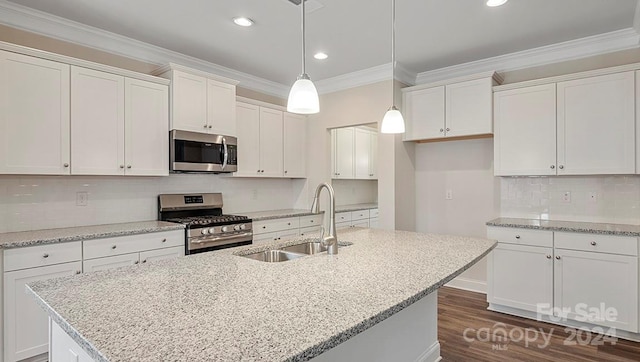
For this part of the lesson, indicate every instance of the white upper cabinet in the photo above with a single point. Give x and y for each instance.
(343, 153)
(457, 108)
(295, 145)
(146, 128)
(424, 113)
(354, 153)
(201, 102)
(248, 123)
(596, 123)
(97, 122)
(271, 143)
(525, 131)
(119, 126)
(365, 154)
(34, 115)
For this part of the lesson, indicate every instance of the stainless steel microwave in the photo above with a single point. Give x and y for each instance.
(202, 152)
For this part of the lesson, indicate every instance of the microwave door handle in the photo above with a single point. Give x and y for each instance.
(225, 157)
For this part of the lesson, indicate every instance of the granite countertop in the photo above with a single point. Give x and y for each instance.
(221, 306)
(276, 214)
(356, 207)
(571, 226)
(51, 236)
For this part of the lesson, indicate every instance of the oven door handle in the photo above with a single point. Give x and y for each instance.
(218, 238)
(225, 153)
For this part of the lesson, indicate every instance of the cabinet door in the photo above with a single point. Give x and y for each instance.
(361, 223)
(271, 145)
(161, 254)
(26, 328)
(264, 238)
(424, 112)
(638, 122)
(362, 148)
(34, 115)
(189, 102)
(469, 108)
(295, 145)
(97, 122)
(374, 223)
(288, 234)
(248, 119)
(373, 156)
(146, 128)
(110, 262)
(525, 131)
(586, 281)
(221, 108)
(520, 276)
(343, 153)
(596, 125)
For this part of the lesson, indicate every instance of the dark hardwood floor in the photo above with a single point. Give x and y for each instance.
(466, 327)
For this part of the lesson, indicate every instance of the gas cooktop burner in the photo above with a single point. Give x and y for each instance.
(207, 219)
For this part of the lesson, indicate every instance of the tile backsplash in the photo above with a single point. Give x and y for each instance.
(42, 202)
(611, 199)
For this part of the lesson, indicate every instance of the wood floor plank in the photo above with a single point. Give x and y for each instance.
(460, 311)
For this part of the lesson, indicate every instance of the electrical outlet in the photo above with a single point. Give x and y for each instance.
(82, 198)
(449, 195)
(592, 197)
(566, 197)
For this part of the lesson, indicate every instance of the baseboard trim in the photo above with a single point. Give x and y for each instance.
(431, 355)
(471, 285)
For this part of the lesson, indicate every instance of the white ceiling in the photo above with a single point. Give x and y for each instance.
(431, 34)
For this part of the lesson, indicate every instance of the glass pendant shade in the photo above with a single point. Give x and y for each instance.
(303, 97)
(392, 121)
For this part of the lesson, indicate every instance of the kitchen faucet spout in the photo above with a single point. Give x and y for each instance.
(329, 241)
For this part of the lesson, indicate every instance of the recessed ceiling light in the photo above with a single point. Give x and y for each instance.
(242, 21)
(320, 56)
(493, 3)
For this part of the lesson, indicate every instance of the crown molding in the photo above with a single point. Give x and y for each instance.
(569, 50)
(31, 20)
(359, 78)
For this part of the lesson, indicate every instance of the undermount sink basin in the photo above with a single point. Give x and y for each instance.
(309, 248)
(273, 256)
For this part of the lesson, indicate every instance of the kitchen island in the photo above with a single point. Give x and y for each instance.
(222, 306)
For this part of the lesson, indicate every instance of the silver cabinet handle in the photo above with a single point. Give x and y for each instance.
(448, 129)
(128, 166)
(78, 271)
(441, 130)
(114, 247)
(517, 236)
(285, 171)
(164, 240)
(144, 261)
(121, 166)
(288, 223)
(561, 167)
(594, 243)
(66, 165)
(45, 255)
(136, 262)
(310, 220)
(548, 256)
(205, 126)
(210, 126)
(553, 167)
(558, 257)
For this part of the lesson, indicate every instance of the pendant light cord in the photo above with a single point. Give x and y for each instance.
(393, 51)
(304, 53)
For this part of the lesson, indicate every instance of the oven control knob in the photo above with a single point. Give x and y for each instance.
(236, 227)
(204, 231)
(212, 231)
(226, 229)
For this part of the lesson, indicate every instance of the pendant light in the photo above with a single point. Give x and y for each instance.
(303, 97)
(393, 121)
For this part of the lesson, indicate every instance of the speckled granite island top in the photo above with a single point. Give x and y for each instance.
(51, 236)
(275, 214)
(571, 226)
(218, 306)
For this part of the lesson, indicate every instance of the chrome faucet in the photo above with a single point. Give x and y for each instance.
(329, 241)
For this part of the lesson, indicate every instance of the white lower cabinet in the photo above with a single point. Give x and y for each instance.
(575, 278)
(64, 349)
(358, 218)
(110, 262)
(26, 332)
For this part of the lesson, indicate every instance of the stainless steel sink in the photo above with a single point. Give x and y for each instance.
(273, 256)
(309, 248)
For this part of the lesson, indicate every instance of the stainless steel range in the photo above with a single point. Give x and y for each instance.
(206, 227)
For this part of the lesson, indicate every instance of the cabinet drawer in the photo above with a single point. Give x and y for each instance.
(110, 262)
(99, 248)
(624, 245)
(521, 236)
(268, 226)
(359, 215)
(42, 255)
(373, 213)
(360, 223)
(311, 231)
(343, 217)
(311, 220)
(341, 225)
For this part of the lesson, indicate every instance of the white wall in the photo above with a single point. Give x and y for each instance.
(41, 202)
(349, 192)
(465, 168)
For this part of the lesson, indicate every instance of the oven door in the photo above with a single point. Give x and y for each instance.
(213, 242)
(201, 152)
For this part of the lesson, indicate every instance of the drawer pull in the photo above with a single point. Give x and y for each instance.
(594, 243)
(78, 272)
(45, 255)
(517, 236)
(264, 227)
(114, 247)
(164, 240)
(136, 262)
(548, 256)
(310, 220)
(558, 257)
(288, 223)
(144, 261)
